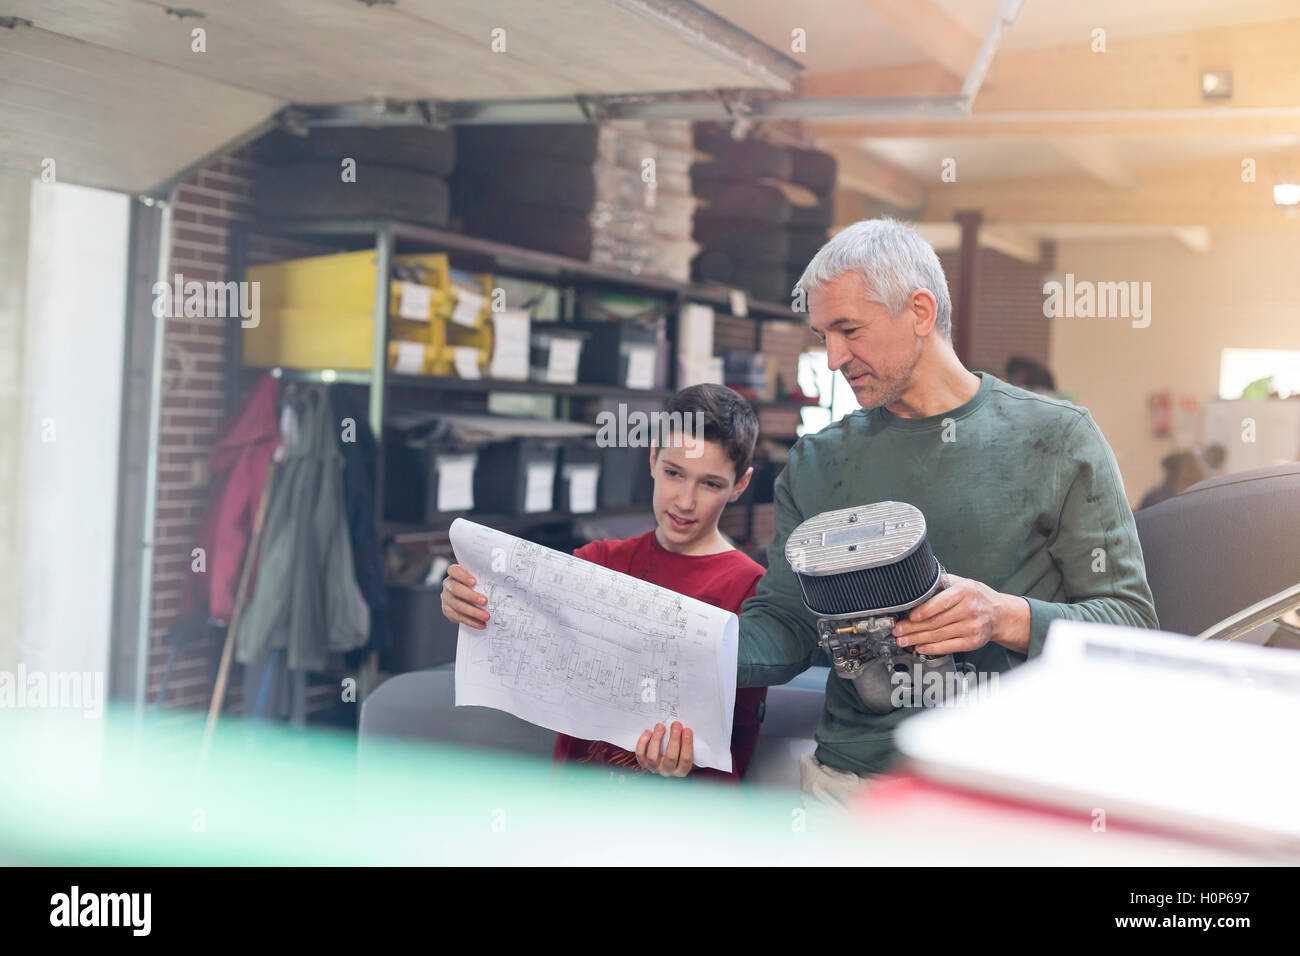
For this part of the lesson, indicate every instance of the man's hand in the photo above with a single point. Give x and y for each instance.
(677, 761)
(964, 617)
(461, 604)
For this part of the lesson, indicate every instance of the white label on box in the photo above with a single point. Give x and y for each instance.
(510, 344)
(415, 301)
(739, 304)
(582, 487)
(455, 482)
(539, 487)
(468, 306)
(466, 361)
(641, 366)
(717, 371)
(562, 363)
(410, 358)
(694, 344)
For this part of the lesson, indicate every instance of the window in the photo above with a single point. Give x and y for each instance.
(1240, 367)
(837, 399)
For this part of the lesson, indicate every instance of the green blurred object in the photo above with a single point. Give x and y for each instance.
(1260, 388)
(84, 791)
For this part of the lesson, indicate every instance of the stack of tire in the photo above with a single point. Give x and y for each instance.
(392, 172)
(613, 193)
(752, 235)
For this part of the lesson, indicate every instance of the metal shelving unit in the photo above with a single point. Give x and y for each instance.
(396, 530)
(485, 255)
(450, 383)
(387, 238)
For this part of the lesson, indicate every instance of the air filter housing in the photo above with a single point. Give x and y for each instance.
(870, 559)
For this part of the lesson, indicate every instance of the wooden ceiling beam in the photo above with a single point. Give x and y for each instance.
(862, 172)
(1140, 86)
(933, 30)
(1190, 196)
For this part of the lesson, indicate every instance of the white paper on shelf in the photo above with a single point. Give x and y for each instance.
(484, 428)
(455, 482)
(582, 487)
(694, 343)
(641, 366)
(414, 301)
(562, 362)
(582, 650)
(410, 358)
(465, 358)
(468, 306)
(539, 486)
(510, 344)
(715, 372)
(739, 303)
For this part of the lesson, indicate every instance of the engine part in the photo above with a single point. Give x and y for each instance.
(860, 571)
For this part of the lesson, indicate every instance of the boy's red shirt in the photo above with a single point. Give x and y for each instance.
(724, 580)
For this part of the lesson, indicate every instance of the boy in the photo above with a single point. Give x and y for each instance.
(684, 553)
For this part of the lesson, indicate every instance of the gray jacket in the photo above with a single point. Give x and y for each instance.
(305, 597)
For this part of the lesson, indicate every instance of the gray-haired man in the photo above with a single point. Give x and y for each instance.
(1023, 501)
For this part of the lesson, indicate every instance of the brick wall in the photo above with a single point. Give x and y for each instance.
(193, 405)
(1008, 308)
(195, 383)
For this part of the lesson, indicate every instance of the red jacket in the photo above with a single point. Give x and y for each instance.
(237, 467)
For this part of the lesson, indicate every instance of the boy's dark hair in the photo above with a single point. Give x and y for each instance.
(728, 420)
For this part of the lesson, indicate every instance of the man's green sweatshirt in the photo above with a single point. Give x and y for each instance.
(1019, 491)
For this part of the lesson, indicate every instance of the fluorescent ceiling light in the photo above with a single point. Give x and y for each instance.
(1216, 84)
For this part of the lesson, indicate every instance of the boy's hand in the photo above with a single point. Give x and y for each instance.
(461, 604)
(677, 761)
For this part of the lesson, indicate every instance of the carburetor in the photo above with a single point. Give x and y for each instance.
(861, 570)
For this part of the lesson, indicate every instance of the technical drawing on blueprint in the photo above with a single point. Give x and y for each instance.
(589, 652)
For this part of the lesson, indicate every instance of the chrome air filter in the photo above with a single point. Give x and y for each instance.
(874, 558)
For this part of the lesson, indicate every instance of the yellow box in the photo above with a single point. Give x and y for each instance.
(312, 337)
(345, 280)
(485, 288)
(481, 339)
(318, 312)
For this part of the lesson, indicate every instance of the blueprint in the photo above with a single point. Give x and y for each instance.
(589, 652)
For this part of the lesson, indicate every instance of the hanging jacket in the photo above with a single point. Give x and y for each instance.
(237, 468)
(306, 599)
(359, 501)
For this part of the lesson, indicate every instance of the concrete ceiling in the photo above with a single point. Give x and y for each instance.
(840, 34)
(1050, 22)
(1004, 158)
(115, 92)
(1062, 133)
(849, 34)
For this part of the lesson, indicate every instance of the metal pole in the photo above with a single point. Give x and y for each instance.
(1008, 10)
(379, 353)
(368, 673)
(148, 521)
